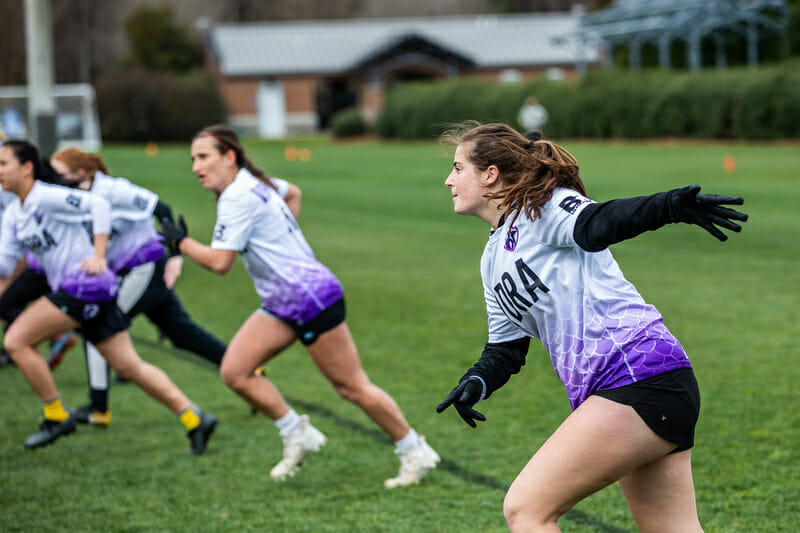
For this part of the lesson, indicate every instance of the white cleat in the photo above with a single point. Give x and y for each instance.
(296, 447)
(414, 464)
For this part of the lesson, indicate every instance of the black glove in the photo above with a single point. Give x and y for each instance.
(172, 234)
(464, 396)
(692, 207)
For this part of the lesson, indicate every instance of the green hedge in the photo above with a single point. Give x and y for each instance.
(142, 106)
(732, 104)
(347, 123)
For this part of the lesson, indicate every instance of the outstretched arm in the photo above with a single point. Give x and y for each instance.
(603, 224)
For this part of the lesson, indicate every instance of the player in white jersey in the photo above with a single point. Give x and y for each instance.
(146, 277)
(547, 273)
(51, 221)
(24, 285)
(301, 299)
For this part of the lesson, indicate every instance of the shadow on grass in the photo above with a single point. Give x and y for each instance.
(446, 465)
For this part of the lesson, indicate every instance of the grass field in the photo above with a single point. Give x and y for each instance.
(379, 216)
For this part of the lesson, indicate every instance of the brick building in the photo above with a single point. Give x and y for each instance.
(291, 77)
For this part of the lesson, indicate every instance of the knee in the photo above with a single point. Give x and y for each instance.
(233, 378)
(512, 511)
(13, 343)
(527, 513)
(351, 392)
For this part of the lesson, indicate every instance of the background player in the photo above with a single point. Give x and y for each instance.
(146, 276)
(50, 221)
(301, 299)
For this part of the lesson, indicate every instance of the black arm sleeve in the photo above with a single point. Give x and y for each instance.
(600, 225)
(498, 362)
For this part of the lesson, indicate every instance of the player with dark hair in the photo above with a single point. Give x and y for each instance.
(301, 300)
(547, 273)
(52, 222)
(146, 276)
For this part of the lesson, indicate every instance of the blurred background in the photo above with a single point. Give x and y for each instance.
(88, 71)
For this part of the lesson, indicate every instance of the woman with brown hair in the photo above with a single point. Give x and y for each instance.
(302, 300)
(547, 273)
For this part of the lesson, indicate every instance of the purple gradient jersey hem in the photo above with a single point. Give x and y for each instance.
(92, 288)
(153, 250)
(306, 307)
(637, 360)
(33, 262)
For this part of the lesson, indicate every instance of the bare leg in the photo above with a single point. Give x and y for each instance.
(259, 339)
(661, 495)
(599, 443)
(119, 352)
(38, 322)
(336, 356)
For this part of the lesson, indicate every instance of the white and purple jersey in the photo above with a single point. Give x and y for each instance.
(133, 240)
(598, 330)
(253, 219)
(282, 186)
(53, 225)
(6, 198)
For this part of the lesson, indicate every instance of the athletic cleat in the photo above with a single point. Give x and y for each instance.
(49, 431)
(296, 447)
(87, 415)
(198, 437)
(59, 347)
(414, 464)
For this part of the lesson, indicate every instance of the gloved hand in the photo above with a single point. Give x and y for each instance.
(692, 207)
(172, 234)
(463, 397)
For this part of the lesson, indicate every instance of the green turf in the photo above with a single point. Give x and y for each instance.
(379, 216)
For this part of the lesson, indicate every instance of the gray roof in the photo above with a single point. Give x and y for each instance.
(335, 46)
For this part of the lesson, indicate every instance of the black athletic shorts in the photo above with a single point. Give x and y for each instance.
(669, 404)
(309, 332)
(98, 320)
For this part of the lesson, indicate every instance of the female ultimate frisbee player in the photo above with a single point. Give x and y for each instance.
(547, 273)
(301, 299)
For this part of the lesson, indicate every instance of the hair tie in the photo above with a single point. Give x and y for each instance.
(209, 134)
(533, 136)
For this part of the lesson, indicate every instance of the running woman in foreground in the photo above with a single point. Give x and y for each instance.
(301, 299)
(145, 275)
(50, 221)
(547, 273)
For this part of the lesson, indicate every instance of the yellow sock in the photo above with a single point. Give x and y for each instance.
(189, 418)
(53, 410)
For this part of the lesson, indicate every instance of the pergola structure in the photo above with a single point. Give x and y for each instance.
(634, 23)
